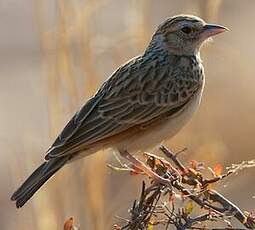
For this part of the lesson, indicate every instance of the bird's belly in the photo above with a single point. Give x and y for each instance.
(152, 136)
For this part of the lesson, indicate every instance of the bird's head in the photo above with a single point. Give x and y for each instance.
(184, 34)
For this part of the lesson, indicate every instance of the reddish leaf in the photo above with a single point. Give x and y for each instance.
(217, 169)
(69, 224)
(193, 164)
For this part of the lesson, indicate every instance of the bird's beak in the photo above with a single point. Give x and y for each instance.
(213, 29)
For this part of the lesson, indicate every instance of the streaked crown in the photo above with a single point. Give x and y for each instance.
(184, 34)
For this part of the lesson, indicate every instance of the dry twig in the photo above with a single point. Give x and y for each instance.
(190, 186)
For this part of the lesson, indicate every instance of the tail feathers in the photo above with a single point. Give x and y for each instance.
(37, 179)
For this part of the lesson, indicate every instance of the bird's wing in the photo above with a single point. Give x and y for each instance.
(135, 95)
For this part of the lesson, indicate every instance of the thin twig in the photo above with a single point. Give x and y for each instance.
(189, 183)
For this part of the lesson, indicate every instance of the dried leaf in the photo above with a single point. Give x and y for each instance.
(193, 164)
(69, 224)
(150, 226)
(189, 207)
(217, 169)
(151, 161)
(160, 169)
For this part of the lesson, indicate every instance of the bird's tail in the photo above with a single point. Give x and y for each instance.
(37, 179)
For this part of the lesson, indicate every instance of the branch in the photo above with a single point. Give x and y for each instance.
(170, 177)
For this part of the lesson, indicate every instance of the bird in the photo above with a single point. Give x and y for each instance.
(144, 102)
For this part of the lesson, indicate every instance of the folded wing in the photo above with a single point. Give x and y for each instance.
(133, 96)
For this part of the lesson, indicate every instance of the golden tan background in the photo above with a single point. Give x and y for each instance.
(54, 55)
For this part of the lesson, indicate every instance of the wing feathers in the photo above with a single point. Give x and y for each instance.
(129, 98)
(96, 134)
(74, 124)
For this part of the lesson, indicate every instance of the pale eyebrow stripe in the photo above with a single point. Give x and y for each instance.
(178, 20)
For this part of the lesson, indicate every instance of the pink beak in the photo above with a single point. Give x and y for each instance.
(213, 29)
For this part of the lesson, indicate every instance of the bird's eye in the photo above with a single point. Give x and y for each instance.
(186, 29)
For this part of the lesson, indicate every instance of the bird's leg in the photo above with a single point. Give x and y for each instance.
(140, 165)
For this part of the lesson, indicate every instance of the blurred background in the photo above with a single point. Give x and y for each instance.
(53, 57)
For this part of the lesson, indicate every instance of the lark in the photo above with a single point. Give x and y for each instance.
(145, 101)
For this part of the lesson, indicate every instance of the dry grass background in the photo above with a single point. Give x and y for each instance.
(54, 55)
